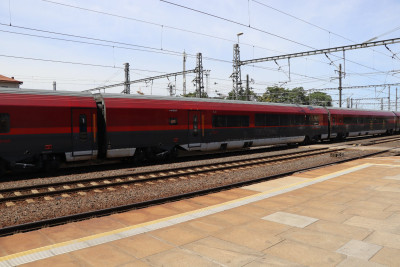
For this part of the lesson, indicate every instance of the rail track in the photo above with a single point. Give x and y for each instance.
(375, 142)
(49, 191)
(362, 141)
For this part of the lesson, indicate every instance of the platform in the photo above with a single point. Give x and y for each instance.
(342, 215)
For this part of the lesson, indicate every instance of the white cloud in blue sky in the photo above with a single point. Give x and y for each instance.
(357, 20)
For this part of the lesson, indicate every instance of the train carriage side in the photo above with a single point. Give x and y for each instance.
(143, 126)
(41, 128)
(316, 124)
(349, 122)
(397, 121)
(150, 126)
(234, 124)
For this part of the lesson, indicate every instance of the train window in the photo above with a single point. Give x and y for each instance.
(82, 126)
(348, 120)
(173, 121)
(285, 119)
(259, 119)
(195, 126)
(266, 120)
(300, 119)
(313, 120)
(4, 123)
(230, 121)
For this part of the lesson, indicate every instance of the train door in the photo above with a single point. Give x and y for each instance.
(333, 124)
(195, 128)
(83, 133)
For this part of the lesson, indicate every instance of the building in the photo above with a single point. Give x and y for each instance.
(6, 82)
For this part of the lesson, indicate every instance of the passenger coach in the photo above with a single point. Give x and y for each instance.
(154, 125)
(354, 122)
(41, 128)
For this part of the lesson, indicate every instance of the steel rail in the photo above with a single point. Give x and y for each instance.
(163, 177)
(40, 186)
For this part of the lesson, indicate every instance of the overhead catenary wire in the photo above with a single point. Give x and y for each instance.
(77, 63)
(170, 27)
(237, 23)
(257, 29)
(319, 27)
(156, 24)
(150, 49)
(113, 46)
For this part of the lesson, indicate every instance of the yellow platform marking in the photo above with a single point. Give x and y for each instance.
(120, 230)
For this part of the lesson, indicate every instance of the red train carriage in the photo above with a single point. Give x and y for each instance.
(43, 127)
(397, 127)
(153, 125)
(350, 122)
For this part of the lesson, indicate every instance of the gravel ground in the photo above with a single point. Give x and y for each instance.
(93, 201)
(18, 182)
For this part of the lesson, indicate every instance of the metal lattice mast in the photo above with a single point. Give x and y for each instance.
(236, 74)
(127, 89)
(199, 76)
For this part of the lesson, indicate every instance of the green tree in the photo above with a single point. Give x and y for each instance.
(277, 94)
(320, 99)
(243, 95)
(297, 96)
(194, 94)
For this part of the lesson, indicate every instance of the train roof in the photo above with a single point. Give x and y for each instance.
(207, 103)
(23, 97)
(348, 111)
(63, 98)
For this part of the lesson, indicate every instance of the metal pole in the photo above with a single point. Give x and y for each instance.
(351, 102)
(207, 73)
(382, 103)
(396, 99)
(54, 86)
(247, 88)
(340, 85)
(184, 73)
(389, 99)
(127, 84)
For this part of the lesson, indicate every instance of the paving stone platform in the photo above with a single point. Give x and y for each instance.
(342, 215)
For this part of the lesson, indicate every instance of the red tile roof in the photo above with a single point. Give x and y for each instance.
(8, 80)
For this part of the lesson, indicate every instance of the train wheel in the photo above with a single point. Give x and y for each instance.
(2, 168)
(306, 141)
(51, 165)
(173, 153)
(150, 154)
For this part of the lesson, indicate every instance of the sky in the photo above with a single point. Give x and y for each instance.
(84, 44)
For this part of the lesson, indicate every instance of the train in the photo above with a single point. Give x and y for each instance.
(43, 129)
